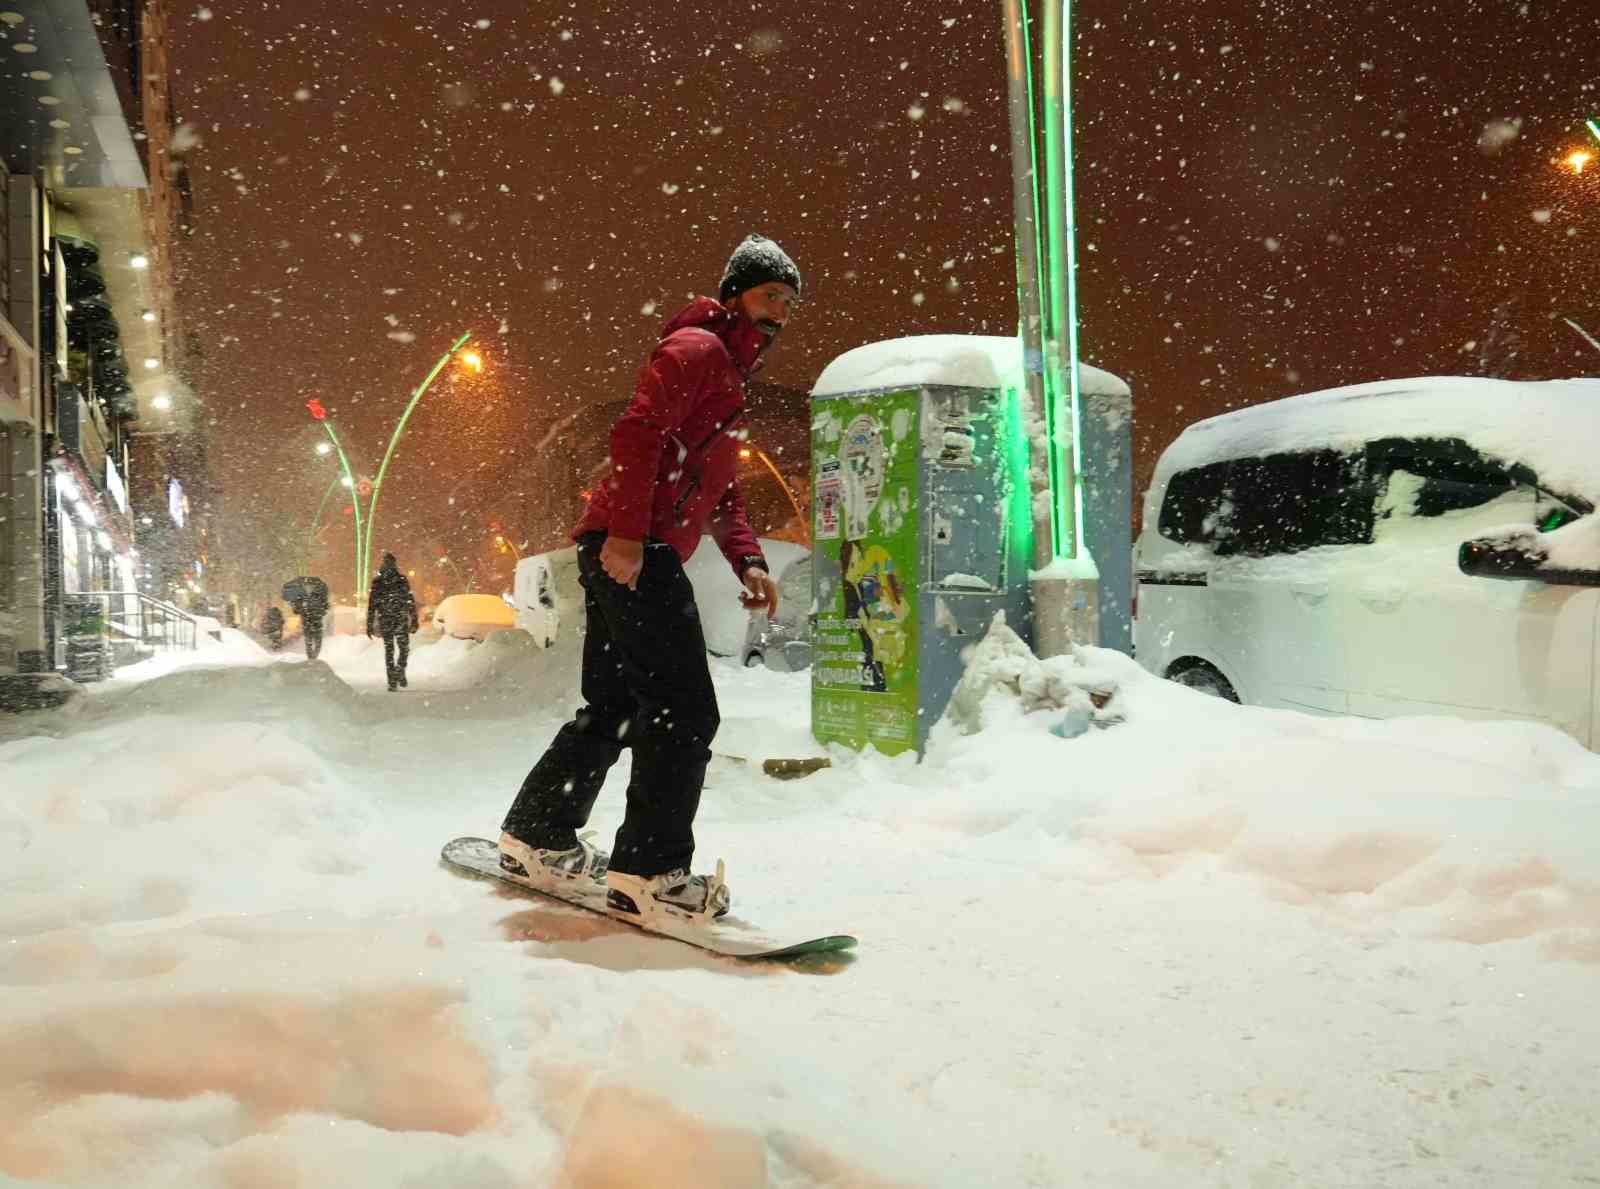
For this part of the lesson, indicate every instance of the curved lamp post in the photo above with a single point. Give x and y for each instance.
(804, 520)
(377, 486)
(316, 521)
(320, 414)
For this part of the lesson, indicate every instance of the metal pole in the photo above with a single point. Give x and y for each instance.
(1030, 313)
(355, 503)
(311, 536)
(1063, 585)
(1061, 320)
(377, 485)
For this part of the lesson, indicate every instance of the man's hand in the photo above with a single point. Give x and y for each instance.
(622, 559)
(759, 591)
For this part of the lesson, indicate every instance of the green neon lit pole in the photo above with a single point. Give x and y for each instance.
(1025, 208)
(355, 500)
(1593, 127)
(311, 536)
(377, 485)
(1062, 278)
(1063, 534)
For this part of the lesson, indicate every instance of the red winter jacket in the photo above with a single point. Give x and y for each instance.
(675, 451)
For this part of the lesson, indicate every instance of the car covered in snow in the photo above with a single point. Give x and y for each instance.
(729, 628)
(474, 616)
(783, 642)
(1408, 547)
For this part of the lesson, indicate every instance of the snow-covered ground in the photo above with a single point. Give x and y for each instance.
(1211, 945)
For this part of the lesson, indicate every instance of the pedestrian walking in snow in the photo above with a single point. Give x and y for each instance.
(272, 627)
(308, 596)
(646, 683)
(392, 612)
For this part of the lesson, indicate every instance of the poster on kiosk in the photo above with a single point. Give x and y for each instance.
(864, 664)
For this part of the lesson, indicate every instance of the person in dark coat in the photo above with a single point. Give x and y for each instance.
(646, 682)
(272, 627)
(308, 597)
(392, 610)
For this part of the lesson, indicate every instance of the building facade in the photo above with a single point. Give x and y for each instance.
(102, 457)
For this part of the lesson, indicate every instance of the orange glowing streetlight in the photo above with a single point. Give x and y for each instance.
(745, 453)
(1579, 158)
(472, 360)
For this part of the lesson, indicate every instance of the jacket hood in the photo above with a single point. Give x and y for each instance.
(742, 337)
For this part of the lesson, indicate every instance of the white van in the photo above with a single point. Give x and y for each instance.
(545, 593)
(1338, 552)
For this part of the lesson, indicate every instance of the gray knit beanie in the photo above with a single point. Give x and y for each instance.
(754, 262)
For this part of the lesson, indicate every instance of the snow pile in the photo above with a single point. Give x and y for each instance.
(955, 360)
(1002, 666)
(1210, 945)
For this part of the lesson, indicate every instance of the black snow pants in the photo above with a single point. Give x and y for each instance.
(647, 686)
(396, 651)
(311, 631)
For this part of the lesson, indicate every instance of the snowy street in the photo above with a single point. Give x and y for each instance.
(1211, 945)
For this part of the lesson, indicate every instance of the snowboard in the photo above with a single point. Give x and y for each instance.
(729, 936)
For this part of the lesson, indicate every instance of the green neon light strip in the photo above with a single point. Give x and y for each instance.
(1062, 538)
(1068, 204)
(1019, 505)
(383, 469)
(1594, 128)
(355, 497)
(311, 537)
(1034, 177)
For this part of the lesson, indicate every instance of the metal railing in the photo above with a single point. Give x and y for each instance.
(138, 618)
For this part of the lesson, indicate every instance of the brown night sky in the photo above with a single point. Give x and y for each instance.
(1274, 196)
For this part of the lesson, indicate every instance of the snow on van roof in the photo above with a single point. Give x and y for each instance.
(955, 360)
(1552, 426)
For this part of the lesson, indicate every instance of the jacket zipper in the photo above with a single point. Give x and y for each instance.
(687, 492)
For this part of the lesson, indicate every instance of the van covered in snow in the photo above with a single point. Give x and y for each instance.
(1349, 551)
(546, 594)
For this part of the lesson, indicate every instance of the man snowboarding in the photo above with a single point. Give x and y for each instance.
(392, 610)
(308, 597)
(646, 683)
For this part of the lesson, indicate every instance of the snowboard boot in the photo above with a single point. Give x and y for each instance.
(554, 870)
(677, 893)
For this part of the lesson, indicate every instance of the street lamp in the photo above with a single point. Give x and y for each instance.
(383, 468)
(1578, 158)
(445, 561)
(805, 522)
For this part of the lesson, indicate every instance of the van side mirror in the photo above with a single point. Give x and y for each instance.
(1519, 556)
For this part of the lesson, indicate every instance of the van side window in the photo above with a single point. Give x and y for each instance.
(1453, 476)
(1276, 503)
